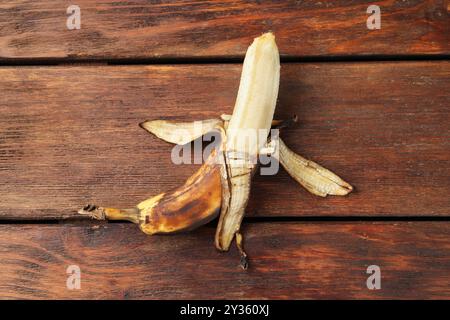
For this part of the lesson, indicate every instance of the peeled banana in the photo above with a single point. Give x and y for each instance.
(222, 184)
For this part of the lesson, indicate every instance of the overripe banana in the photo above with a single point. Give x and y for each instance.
(223, 182)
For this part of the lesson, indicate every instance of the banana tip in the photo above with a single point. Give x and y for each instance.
(267, 36)
(345, 189)
(142, 124)
(349, 187)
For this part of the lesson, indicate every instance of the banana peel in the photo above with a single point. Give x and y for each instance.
(222, 184)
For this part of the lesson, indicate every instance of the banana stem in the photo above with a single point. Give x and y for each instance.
(100, 213)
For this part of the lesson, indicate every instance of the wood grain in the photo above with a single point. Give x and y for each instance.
(288, 260)
(70, 136)
(178, 29)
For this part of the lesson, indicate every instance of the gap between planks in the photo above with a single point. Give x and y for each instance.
(247, 220)
(214, 60)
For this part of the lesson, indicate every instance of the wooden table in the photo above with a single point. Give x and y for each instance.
(373, 106)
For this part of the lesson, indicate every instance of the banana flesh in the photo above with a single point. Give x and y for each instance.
(252, 116)
(222, 184)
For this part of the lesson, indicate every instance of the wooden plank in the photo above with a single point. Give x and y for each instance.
(177, 29)
(288, 260)
(70, 135)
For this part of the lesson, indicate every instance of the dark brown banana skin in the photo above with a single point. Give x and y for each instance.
(193, 204)
(187, 207)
